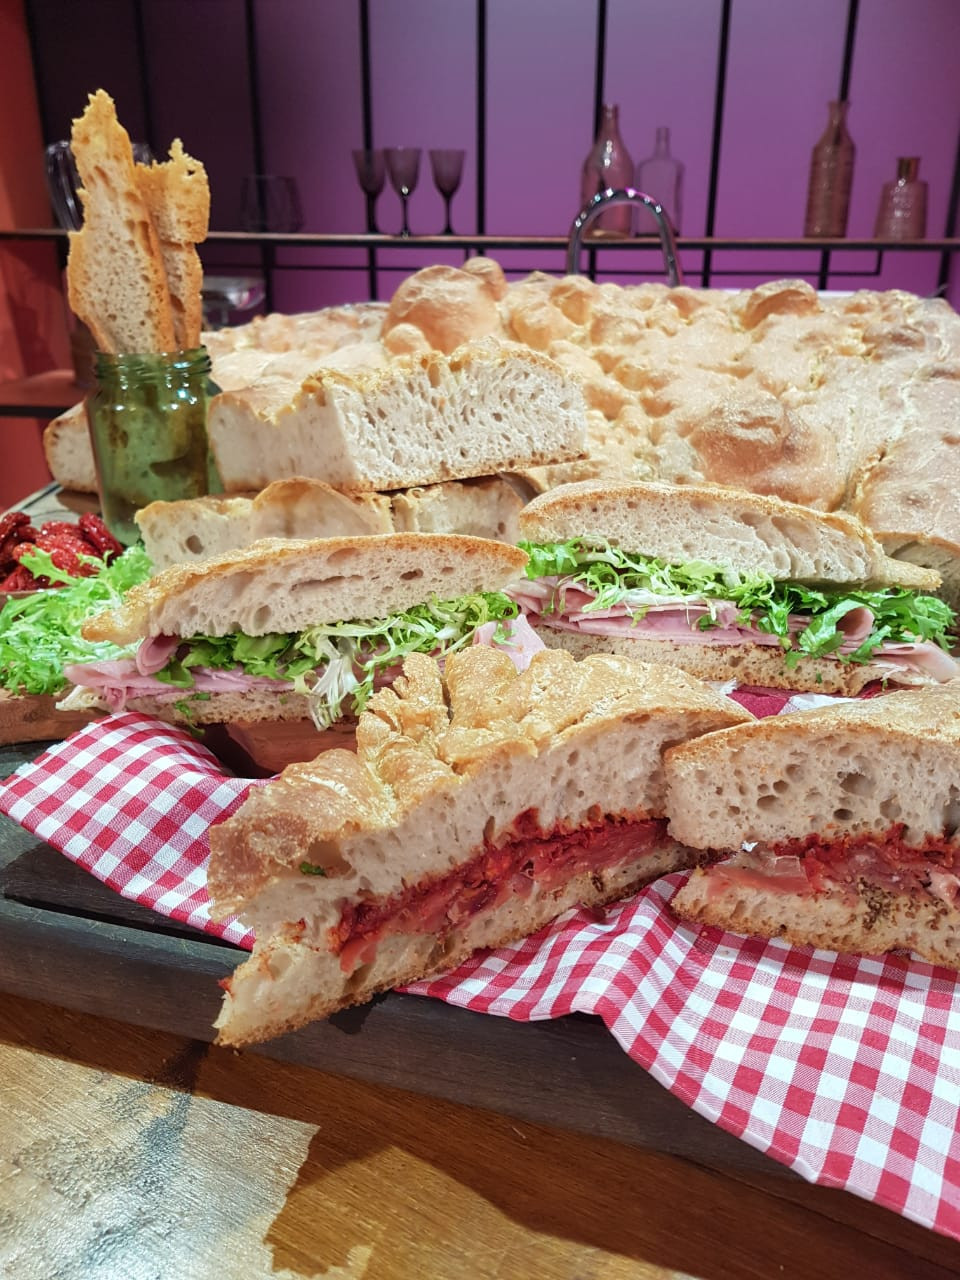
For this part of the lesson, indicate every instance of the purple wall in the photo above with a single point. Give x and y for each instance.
(784, 65)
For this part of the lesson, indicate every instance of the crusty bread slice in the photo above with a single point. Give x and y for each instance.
(448, 767)
(907, 493)
(486, 507)
(115, 274)
(745, 531)
(855, 768)
(198, 528)
(748, 664)
(291, 983)
(66, 447)
(884, 771)
(278, 585)
(487, 407)
(177, 194)
(859, 925)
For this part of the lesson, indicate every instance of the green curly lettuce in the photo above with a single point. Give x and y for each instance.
(40, 633)
(341, 660)
(616, 576)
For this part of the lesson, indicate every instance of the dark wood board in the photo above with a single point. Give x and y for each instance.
(68, 940)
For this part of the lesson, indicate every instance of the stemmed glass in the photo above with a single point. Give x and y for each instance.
(447, 171)
(403, 165)
(270, 203)
(371, 176)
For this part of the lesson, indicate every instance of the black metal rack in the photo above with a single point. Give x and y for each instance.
(270, 262)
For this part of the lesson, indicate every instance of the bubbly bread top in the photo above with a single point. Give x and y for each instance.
(850, 769)
(446, 763)
(747, 532)
(277, 585)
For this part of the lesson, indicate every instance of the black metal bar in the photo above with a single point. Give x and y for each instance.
(481, 123)
(773, 273)
(600, 65)
(720, 89)
(849, 42)
(256, 136)
(335, 240)
(823, 275)
(37, 62)
(366, 112)
(599, 92)
(950, 226)
(143, 74)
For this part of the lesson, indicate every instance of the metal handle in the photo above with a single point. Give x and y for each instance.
(625, 195)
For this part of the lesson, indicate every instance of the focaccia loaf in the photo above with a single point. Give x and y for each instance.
(835, 771)
(749, 532)
(278, 585)
(417, 420)
(198, 528)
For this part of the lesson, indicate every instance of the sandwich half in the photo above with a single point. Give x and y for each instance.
(294, 630)
(481, 803)
(729, 585)
(841, 825)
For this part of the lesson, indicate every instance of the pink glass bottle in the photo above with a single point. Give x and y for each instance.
(831, 176)
(902, 214)
(608, 164)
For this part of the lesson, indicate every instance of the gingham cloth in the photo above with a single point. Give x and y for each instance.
(845, 1069)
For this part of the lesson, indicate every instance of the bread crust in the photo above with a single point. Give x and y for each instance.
(278, 585)
(852, 768)
(746, 531)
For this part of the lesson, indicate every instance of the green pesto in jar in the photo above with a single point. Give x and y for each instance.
(148, 429)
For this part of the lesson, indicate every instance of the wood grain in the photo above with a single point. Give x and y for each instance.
(34, 717)
(132, 1153)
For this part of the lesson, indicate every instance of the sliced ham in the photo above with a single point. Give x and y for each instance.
(521, 642)
(678, 623)
(155, 652)
(116, 681)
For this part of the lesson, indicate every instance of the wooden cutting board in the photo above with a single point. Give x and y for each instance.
(34, 718)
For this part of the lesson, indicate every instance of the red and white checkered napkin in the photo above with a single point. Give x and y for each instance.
(846, 1069)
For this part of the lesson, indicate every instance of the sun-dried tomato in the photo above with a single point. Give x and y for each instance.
(20, 580)
(10, 521)
(95, 531)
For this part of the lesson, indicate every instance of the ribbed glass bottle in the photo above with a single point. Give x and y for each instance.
(831, 177)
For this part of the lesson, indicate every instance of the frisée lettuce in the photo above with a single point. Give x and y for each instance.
(40, 633)
(341, 660)
(617, 577)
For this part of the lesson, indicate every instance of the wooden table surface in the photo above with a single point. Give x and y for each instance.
(128, 1154)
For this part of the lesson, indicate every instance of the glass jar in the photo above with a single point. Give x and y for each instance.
(148, 429)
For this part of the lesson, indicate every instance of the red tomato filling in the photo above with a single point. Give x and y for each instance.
(816, 865)
(437, 905)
